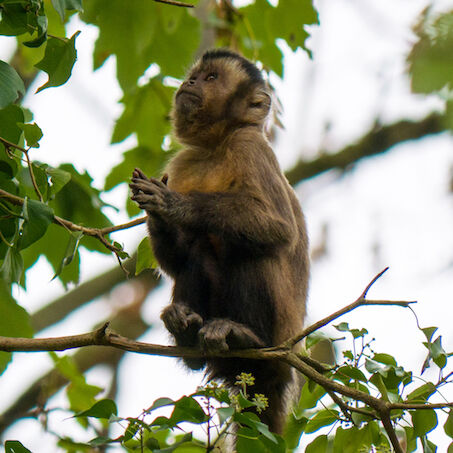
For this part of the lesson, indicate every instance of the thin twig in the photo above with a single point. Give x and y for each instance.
(175, 3)
(360, 301)
(32, 176)
(98, 233)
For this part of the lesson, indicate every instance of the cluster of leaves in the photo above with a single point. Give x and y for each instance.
(355, 426)
(212, 407)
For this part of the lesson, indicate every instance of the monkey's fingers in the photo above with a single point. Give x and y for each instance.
(144, 186)
(135, 191)
(137, 173)
(159, 183)
(164, 178)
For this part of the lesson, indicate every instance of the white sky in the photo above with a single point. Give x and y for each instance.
(392, 210)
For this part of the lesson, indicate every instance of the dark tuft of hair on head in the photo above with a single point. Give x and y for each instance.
(252, 71)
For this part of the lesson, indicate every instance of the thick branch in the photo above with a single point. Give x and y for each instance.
(379, 140)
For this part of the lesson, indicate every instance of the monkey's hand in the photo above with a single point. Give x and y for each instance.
(182, 323)
(221, 335)
(151, 194)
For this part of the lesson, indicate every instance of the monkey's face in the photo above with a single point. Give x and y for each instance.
(222, 91)
(205, 92)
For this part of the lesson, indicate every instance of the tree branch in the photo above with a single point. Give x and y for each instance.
(103, 336)
(98, 233)
(175, 3)
(359, 302)
(379, 140)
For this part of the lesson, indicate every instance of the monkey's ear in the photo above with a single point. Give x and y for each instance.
(259, 105)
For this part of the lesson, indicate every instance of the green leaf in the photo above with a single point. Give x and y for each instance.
(135, 54)
(430, 62)
(289, 19)
(322, 418)
(187, 409)
(386, 359)
(114, 23)
(62, 5)
(342, 327)
(252, 421)
(429, 332)
(310, 396)
(18, 17)
(13, 266)
(423, 421)
(32, 133)
(448, 425)
(160, 402)
(247, 441)
(102, 409)
(375, 367)
(149, 104)
(11, 85)
(319, 445)
(14, 321)
(436, 353)
(81, 395)
(10, 116)
(450, 448)
(224, 413)
(70, 253)
(350, 372)
(422, 393)
(79, 201)
(14, 446)
(37, 217)
(145, 257)
(58, 61)
(353, 440)
(54, 246)
(59, 179)
(314, 338)
(428, 446)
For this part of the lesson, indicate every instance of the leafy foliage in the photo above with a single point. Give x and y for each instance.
(53, 212)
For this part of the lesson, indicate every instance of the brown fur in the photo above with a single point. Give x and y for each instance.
(228, 228)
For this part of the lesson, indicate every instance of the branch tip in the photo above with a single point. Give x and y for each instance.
(378, 276)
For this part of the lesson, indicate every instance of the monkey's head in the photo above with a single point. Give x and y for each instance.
(221, 92)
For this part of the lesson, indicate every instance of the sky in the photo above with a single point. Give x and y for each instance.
(391, 210)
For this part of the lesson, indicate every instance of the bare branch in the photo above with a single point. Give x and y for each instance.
(175, 3)
(361, 301)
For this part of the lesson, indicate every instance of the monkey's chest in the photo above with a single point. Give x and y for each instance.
(201, 178)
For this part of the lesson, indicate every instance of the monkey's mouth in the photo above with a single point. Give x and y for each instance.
(189, 95)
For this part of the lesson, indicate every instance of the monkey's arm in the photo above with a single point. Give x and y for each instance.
(166, 238)
(241, 217)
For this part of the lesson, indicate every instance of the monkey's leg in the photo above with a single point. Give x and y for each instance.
(224, 334)
(184, 324)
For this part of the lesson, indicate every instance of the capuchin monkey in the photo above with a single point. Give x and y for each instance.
(227, 227)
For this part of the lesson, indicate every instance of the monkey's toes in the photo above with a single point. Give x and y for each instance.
(213, 339)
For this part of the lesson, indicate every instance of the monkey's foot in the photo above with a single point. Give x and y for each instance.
(223, 334)
(182, 323)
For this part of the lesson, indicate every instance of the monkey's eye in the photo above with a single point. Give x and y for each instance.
(211, 76)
